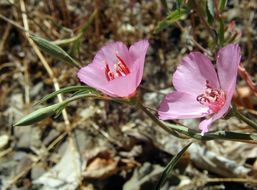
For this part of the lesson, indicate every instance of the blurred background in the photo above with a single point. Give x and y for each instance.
(99, 145)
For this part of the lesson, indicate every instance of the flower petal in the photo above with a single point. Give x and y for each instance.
(137, 53)
(180, 105)
(123, 86)
(207, 122)
(228, 59)
(193, 72)
(93, 76)
(107, 54)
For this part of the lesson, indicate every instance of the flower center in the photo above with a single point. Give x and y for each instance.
(120, 69)
(212, 97)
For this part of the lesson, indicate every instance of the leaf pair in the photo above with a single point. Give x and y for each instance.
(55, 109)
(54, 50)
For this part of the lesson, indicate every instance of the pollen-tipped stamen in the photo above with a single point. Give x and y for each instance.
(121, 66)
(120, 69)
(212, 97)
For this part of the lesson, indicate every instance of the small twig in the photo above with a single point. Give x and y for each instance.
(28, 168)
(247, 78)
(26, 82)
(64, 11)
(199, 46)
(5, 36)
(237, 180)
(5, 152)
(106, 135)
(30, 17)
(22, 173)
(15, 24)
(57, 140)
(244, 118)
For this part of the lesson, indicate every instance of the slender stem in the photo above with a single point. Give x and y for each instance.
(176, 130)
(244, 118)
(225, 135)
(247, 78)
(86, 96)
(68, 40)
(157, 121)
(15, 24)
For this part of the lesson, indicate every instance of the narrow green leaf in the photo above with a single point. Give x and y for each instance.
(210, 17)
(54, 50)
(169, 168)
(89, 22)
(171, 19)
(224, 135)
(210, 6)
(80, 89)
(222, 4)
(48, 111)
(39, 115)
(175, 130)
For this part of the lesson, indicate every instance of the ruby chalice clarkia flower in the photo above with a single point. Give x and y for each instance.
(202, 89)
(116, 70)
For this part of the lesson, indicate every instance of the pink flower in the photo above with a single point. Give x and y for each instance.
(116, 70)
(200, 90)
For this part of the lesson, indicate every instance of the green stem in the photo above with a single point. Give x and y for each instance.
(244, 118)
(175, 130)
(157, 121)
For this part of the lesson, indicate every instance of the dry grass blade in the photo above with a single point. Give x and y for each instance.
(43, 61)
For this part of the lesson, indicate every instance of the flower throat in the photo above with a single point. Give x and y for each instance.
(121, 69)
(214, 98)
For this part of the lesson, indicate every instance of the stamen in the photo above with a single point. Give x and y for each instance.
(120, 68)
(212, 97)
(202, 99)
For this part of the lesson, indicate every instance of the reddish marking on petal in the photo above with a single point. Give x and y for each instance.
(121, 66)
(120, 69)
(108, 73)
